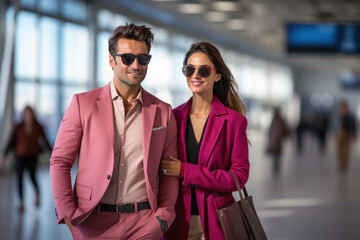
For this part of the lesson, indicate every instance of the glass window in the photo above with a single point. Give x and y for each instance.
(104, 72)
(109, 20)
(68, 93)
(26, 45)
(24, 94)
(280, 85)
(160, 70)
(75, 54)
(28, 3)
(47, 110)
(180, 89)
(49, 49)
(182, 41)
(49, 6)
(75, 10)
(178, 79)
(160, 34)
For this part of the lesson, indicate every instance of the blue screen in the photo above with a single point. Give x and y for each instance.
(312, 34)
(323, 38)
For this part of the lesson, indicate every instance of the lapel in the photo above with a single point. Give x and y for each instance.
(148, 117)
(213, 129)
(183, 111)
(104, 105)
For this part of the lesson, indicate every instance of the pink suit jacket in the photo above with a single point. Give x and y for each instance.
(224, 148)
(87, 131)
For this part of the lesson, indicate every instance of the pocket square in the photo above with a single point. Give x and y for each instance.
(158, 128)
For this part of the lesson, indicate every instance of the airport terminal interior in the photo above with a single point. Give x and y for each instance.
(301, 58)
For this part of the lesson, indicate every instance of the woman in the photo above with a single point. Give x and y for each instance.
(211, 141)
(25, 141)
(277, 133)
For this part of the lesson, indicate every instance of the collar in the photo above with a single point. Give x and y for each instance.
(115, 94)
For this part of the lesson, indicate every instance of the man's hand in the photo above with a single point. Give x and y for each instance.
(68, 223)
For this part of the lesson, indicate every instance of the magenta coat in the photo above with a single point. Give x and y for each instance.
(224, 148)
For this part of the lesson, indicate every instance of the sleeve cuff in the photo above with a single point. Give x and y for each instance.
(182, 170)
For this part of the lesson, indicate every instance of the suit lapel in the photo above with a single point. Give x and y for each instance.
(184, 114)
(148, 118)
(104, 105)
(213, 129)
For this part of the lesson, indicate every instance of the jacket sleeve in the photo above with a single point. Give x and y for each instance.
(12, 141)
(168, 186)
(44, 138)
(62, 159)
(219, 179)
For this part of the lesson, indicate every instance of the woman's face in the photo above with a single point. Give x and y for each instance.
(197, 83)
(28, 115)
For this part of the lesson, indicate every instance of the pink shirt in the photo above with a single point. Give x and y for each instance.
(127, 184)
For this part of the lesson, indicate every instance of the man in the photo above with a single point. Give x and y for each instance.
(120, 133)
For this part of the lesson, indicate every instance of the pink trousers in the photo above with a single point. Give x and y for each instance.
(111, 225)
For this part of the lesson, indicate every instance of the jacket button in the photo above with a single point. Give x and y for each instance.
(108, 177)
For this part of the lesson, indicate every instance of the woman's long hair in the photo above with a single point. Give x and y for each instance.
(32, 115)
(226, 89)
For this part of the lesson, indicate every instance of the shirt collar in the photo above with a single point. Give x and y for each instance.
(115, 94)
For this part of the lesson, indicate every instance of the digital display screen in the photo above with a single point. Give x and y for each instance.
(323, 38)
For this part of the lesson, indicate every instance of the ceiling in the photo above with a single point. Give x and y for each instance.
(256, 26)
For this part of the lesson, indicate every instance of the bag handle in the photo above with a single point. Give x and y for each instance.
(238, 187)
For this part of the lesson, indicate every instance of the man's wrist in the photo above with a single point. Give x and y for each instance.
(163, 224)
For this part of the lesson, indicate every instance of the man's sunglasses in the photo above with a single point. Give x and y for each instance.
(203, 71)
(128, 58)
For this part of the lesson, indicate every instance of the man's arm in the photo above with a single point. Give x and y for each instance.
(62, 159)
(169, 186)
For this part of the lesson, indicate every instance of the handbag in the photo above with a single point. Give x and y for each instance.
(239, 221)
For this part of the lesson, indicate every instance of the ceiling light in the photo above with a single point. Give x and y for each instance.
(191, 8)
(225, 6)
(235, 24)
(215, 16)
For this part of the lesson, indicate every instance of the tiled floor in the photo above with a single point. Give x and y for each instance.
(308, 199)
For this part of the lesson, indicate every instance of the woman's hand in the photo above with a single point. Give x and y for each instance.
(170, 167)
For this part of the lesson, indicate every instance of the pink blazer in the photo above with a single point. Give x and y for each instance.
(87, 131)
(224, 148)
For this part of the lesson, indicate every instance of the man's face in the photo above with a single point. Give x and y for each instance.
(134, 74)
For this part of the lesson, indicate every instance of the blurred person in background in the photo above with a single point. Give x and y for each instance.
(120, 133)
(315, 123)
(278, 131)
(212, 141)
(27, 140)
(345, 135)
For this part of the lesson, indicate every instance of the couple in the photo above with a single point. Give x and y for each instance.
(141, 172)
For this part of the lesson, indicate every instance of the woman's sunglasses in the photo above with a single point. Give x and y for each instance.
(128, 58)
(203, 71)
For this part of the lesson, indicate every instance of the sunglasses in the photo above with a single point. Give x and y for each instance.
(203, 71)
(128, 58)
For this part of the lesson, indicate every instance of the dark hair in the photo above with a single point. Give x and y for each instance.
(131, 31)
(226, 89)
(32, 112)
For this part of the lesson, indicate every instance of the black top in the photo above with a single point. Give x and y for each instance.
(348, 124)
(192, 153)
